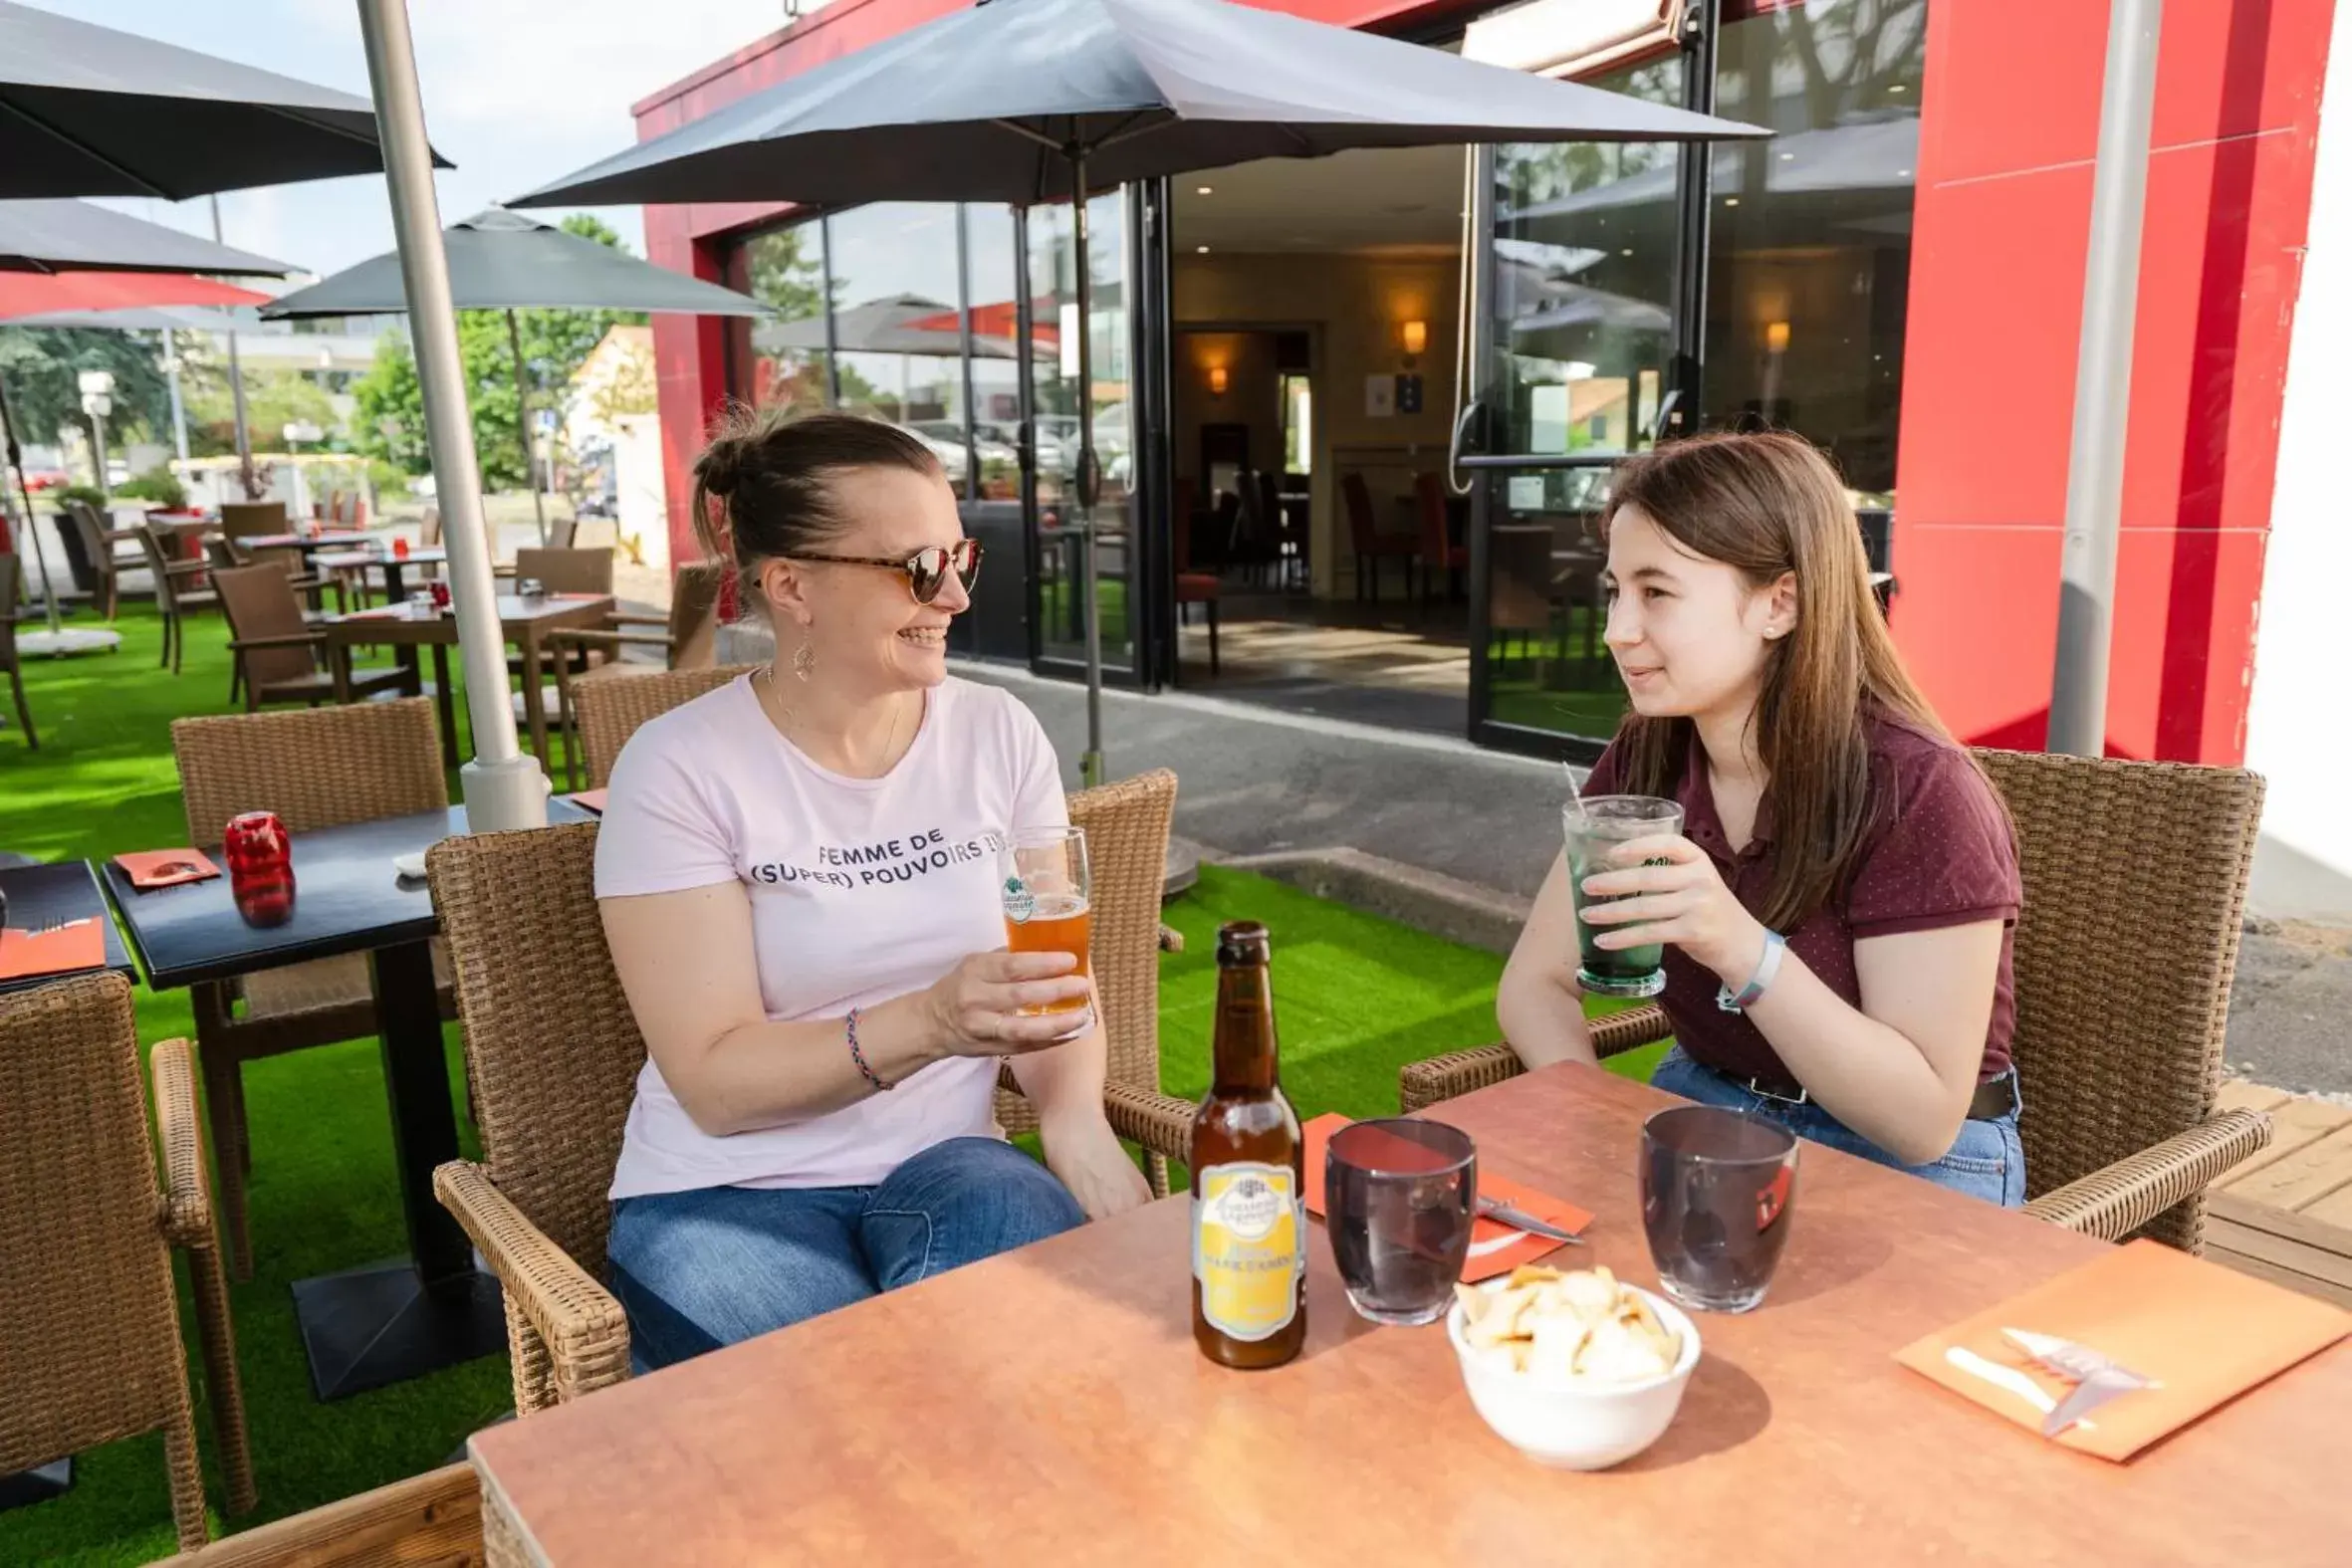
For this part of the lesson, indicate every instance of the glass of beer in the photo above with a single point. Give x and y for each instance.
(1049, 899)
(1597, 832)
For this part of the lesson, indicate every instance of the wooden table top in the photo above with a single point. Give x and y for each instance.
(1049, 1405)
(397, 623)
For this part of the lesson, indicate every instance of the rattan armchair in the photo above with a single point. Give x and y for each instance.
(90, 1337)
(687, 638)
(180, 589)
(281, 655)
(606, 713)
(433, 1521)
(11, 662)
(554, 1054)
(315, 768)
(2135, 886)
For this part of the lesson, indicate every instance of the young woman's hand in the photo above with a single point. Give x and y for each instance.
(1677, 897)
(976, 1006)
(1090, 1160)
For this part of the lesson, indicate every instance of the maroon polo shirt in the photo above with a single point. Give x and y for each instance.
(1938, 852)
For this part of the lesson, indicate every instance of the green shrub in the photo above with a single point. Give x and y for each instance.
(156, 484)
(64, 494)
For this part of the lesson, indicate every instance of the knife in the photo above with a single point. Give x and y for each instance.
(1519, 1220)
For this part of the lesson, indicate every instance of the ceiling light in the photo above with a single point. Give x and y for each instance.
(1898, 88)
(1205, 190)
(1200, 250)
(1788, 157)
(1902, 173)
(1731, 201)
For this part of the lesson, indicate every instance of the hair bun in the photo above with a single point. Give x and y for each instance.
(722, 465)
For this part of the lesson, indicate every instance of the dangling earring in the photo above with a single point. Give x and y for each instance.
(805, 660)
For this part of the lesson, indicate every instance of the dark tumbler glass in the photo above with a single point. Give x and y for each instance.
(1717, 1188)
(1400, 1197)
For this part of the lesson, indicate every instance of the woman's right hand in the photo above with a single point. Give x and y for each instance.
(977, 1004)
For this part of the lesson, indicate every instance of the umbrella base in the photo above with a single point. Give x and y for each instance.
(68, 641)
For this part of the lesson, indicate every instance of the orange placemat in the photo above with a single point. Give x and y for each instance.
(79, 944)
(149, 869)
(590, 800)
(1495, 1248)
(2206, 1333)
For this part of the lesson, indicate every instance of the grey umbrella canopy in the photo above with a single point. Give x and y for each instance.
(86, 110)
(504, 261)
(1085, 94)
(80, 236)
(904, 324)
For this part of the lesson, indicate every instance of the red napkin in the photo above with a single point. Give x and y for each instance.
(1495, 1248)
(153, 868)
(78, 946)
(590, 800)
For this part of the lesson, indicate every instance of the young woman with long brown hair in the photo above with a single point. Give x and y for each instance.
(1839, 909)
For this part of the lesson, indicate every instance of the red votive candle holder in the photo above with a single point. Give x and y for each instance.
(261, 867)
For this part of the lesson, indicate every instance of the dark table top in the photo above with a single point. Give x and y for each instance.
(68, 890)
(347, 899)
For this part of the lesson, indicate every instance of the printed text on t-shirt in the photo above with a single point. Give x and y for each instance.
(881, 863)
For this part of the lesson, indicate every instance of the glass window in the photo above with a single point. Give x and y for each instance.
(783, 362)
(1583, 291)
(996, 367)
(1055, 307)
(1812, 243)
(897, 342)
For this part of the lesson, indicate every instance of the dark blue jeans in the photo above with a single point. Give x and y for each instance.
(1987, 1160)
(700, 1270)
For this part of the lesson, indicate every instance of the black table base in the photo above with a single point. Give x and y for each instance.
(39, 1484)
(368, 1327)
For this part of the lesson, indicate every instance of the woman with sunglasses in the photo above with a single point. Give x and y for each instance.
(796, 874)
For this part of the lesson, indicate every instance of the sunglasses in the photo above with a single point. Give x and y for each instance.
(926, 569)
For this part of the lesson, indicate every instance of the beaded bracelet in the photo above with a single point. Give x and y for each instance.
(858, 1057)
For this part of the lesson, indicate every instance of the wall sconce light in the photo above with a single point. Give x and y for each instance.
(1217, 380)
(1777, 336)
(1415, 336)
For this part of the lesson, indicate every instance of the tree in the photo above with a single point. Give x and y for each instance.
(40, 366)
(274, 399)
(555, 346)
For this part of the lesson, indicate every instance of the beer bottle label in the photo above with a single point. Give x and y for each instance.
(1249, 1248)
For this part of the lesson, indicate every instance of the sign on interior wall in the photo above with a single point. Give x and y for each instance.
(1380, 397)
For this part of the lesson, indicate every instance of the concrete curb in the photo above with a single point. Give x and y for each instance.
(1428, 901)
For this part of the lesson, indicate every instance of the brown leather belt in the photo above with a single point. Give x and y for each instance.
(1993, 1099)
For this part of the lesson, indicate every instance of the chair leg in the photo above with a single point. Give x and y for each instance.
(24, 714)
(1213, 638)
(187, 1471)
(222, 1390)
(179, 640)
(1155, 1171)
(223, 1108)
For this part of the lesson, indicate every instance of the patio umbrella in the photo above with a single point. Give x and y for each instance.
(85, 111)
(904, 324)
(504, 261)
(1082, 96)
(44, 247)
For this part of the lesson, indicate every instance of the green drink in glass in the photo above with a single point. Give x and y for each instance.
(1597, 832)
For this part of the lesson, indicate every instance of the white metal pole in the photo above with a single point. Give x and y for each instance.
(179, 411)
(236, 380)
(503, 789)
(2102, 382)
(1090, 763)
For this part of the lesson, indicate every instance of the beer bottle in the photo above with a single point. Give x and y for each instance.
(1248, 1208)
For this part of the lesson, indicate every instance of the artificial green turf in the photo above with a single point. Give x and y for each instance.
(1357, 997)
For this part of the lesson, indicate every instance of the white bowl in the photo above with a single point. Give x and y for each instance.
(1576, 1424)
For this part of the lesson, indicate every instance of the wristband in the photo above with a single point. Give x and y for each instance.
(1767, 966)
(858, 1057)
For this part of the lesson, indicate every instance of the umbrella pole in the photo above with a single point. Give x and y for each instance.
(236, 387)
(514, 337)
(503, 789)
(1090, 478)
(16, 466)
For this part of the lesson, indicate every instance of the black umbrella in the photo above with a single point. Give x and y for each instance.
(503, 260)
(1077, 96)
(80, 236)
(85, 111)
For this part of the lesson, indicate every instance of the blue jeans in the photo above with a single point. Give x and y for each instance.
(699, 1270)
(1986, 1161)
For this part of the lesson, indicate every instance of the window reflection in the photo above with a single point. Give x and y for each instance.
(1052, 276)
(787, 359)
(1811, 252)
(897, 342)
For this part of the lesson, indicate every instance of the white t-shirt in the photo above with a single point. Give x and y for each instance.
(862, 889)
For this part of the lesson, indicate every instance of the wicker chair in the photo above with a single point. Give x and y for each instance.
(688, 641)
(566, 570)
(11, 581)
(2135, 885)
(316, 769)
(98, 537)
(281, 656)
(555, 1052)
(180, 589)
(608, 712)
(433, 1521)
(90, 1337)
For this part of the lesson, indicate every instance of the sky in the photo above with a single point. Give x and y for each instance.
(516, 93)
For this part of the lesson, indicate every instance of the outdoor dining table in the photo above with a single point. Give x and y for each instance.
(1049, 1405)
(526, 621)
(48, 895)
(388, 1321)
(394, 568)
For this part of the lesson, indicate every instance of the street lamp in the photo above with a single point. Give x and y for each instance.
(98, 402)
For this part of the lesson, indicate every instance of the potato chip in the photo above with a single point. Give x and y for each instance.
(1583, 1325)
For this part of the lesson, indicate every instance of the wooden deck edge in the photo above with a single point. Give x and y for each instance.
(2218, 1252)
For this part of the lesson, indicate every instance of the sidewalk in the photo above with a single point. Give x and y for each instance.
(1256, 783)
